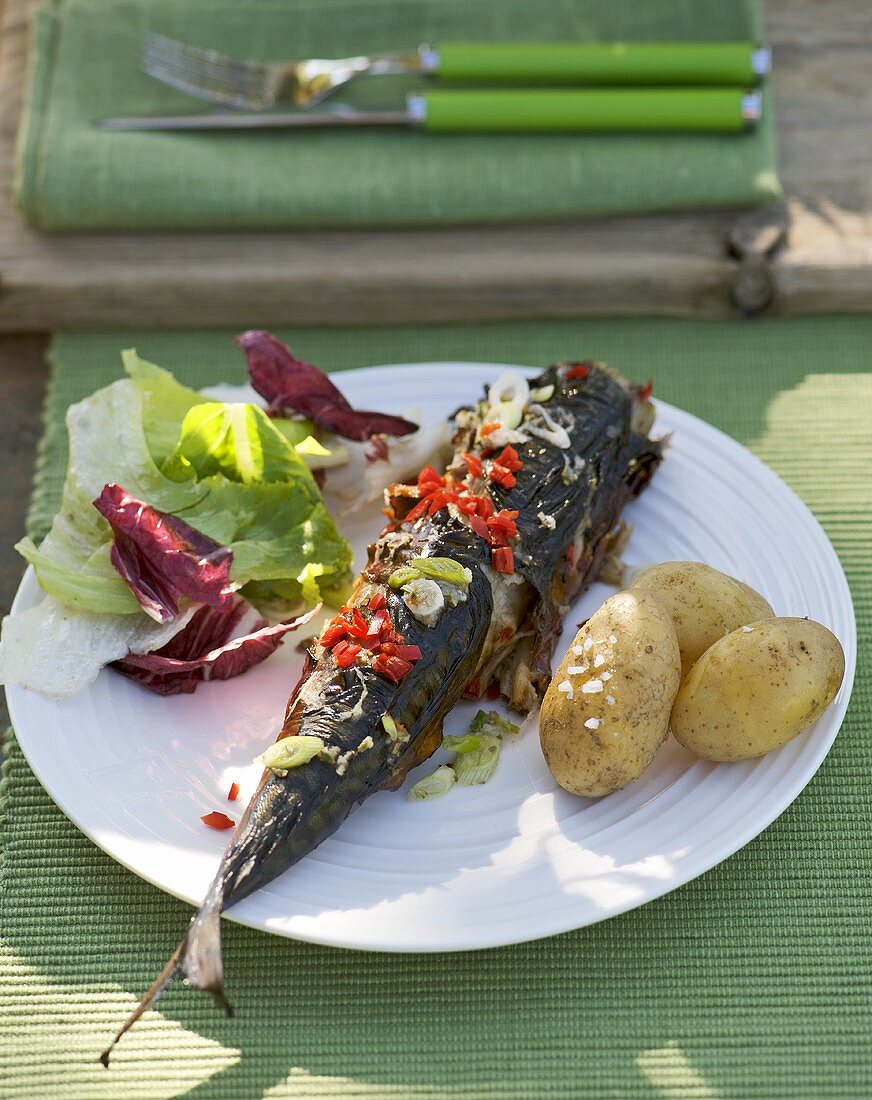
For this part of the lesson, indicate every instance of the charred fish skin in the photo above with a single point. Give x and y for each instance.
(569, 499)
(566, 500)
(345, 710)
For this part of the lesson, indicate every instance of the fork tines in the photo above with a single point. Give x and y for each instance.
(208, 73)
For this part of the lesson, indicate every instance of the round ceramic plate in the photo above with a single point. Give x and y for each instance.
(483, 866)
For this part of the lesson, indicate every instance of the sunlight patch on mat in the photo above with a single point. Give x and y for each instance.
(668, 1070)
(301, 1083)
(158, 1060)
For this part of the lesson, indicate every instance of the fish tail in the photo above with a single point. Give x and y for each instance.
(198, 957)
(201, 961)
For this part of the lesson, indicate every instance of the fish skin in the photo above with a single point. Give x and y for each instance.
(289, 816)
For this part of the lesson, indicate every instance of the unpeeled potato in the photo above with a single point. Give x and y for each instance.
(704, 604)
(757, 688)
(606, 712)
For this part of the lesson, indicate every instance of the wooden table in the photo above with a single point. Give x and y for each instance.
(676, 265)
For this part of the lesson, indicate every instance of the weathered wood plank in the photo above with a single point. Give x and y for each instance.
(669, 264)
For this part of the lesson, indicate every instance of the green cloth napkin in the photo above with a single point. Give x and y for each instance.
(84, 65)
(751, 982)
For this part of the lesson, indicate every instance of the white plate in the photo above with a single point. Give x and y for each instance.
(484, 866)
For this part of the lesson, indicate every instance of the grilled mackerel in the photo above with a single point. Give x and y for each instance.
(465, 588)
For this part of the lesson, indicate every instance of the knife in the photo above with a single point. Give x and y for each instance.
(713, 110)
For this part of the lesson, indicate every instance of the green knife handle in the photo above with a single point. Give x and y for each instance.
(614, 109)
(597, 63)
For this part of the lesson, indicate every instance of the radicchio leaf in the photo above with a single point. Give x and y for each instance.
(215, 645)
(162, 558)
(290, 384)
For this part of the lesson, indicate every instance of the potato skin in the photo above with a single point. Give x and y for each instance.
(757, 688)
(704, 604)
(643, 666)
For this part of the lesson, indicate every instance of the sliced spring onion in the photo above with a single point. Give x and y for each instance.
(402, 575)
(491, 723)
(478, 765)
(508, 413)
(290, 752)
(469, 742)
(511, 387)
(432, 786)
(543, 393)
(397, 733)
(442, 569)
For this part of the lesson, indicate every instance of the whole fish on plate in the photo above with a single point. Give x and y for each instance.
(465, 588)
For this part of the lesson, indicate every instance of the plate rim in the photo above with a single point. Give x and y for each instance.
(690, 870)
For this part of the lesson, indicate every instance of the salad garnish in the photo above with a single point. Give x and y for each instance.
(291, 385)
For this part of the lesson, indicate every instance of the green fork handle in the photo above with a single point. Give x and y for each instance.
(598, 63)
(615, 109)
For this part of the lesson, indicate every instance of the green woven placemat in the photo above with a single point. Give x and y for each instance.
(84, 65)
(752, 981)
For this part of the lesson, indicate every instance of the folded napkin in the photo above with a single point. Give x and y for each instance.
(751, 982)
(84, 65)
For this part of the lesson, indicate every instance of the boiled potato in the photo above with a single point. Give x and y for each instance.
(606, 711)
(757, 688)
(757, 606)
(704, 604)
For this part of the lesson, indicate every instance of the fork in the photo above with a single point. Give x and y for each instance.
(257, 85)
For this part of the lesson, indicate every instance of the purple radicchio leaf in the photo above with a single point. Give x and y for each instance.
(215, 645)
(162, 558)
(291, 385)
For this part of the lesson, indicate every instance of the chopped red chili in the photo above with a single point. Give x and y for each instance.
(467, 504)
(392, 666)
(358, 627)
(578, 370)
(501, 476)
(233, 793)
(493, 691)
(501, 526)
(438, 499)
(430, 477)
(508, 458)
(473, 464)
(345, 653)
(416, 511)
(377, 623)
(334, 630)
(480, 527)
(409, 652)
(377, 601)
(502, 559)
(646, 391)
(489, 429)
(217, 820)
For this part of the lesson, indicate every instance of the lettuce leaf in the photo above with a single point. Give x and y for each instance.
(291, 384)
(223, 469)
(58, 650)
(163, 559)
(215, 645)
(164, 404)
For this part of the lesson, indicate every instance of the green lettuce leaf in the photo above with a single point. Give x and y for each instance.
(164, 404)
(236, 440)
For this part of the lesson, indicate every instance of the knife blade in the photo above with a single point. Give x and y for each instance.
(721, 110)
